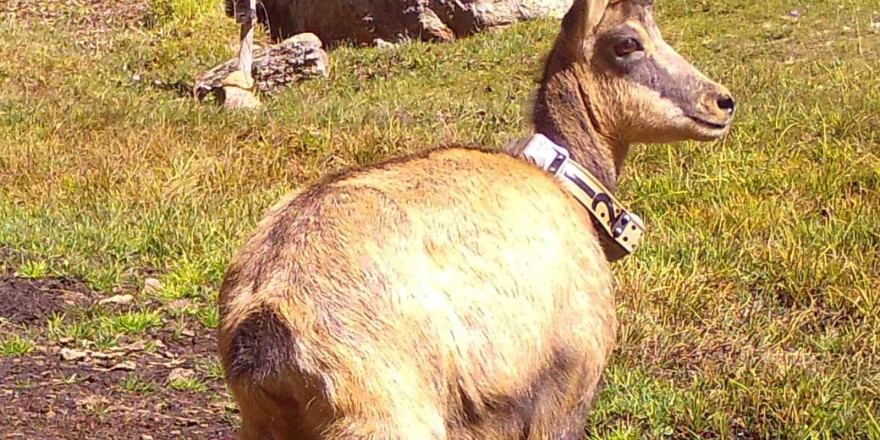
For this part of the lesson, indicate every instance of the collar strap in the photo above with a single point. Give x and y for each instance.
(622, 229)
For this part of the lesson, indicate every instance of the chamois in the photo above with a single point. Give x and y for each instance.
(460, 293)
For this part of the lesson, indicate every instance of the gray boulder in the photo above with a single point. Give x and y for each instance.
(363, 21)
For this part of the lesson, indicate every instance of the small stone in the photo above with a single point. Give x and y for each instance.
(876, 25)
(146, 437)
(382, 44)
(152, 286)
(236, 98)
(117, 299)
(794, 13)
(188, 333)
(69, 354)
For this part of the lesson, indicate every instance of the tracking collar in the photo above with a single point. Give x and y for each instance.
(622, 229)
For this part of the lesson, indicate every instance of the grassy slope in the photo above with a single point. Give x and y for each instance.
(753, 308)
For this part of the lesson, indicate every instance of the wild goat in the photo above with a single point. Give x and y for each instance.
(460, 293)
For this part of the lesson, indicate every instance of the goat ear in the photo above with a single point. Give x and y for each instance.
(595, 12)
(581, 20)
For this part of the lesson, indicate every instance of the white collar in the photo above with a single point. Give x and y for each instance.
(623, 228)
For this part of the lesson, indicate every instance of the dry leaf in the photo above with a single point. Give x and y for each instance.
(136, 346)
(99, 355)
(91, 401)
(127, 365)
(180, 374)
(117, 299)
(69, 354)
(152, 286)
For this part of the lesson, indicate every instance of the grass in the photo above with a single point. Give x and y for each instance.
(137, 385)
(14, 345)
(751, 311)
(103, 327)
(33, 269)
(189, 384)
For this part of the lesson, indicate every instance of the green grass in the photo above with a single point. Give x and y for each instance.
(751, 311)
(103, 327)
(33, 269)
(190, 384)
(137, 385)
(14, 345)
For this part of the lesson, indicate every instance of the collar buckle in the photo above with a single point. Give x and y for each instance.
(627, 231)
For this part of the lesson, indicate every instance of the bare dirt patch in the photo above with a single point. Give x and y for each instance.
(161, 383)
(132, 391)
(30, 301)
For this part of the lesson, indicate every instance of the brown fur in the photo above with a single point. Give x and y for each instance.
(456, 294)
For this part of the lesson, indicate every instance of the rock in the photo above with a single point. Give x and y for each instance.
(117, 299)
(238, 92)
(295, 59)
(382, 44)
(363, 21)
(152, 286)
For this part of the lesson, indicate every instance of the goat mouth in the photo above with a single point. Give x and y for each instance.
(705, 123)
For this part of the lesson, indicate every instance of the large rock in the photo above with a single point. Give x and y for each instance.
(363, 21)
(275, 67)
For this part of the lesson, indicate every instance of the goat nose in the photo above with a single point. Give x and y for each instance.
(726, 103)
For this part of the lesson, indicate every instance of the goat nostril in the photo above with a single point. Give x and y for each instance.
(726, 103)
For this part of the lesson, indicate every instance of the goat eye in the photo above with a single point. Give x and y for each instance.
(627, 47)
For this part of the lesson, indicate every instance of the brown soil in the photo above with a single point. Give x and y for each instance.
(67, 391)
(30, 302)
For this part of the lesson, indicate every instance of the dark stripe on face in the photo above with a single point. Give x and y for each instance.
(682, 89)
